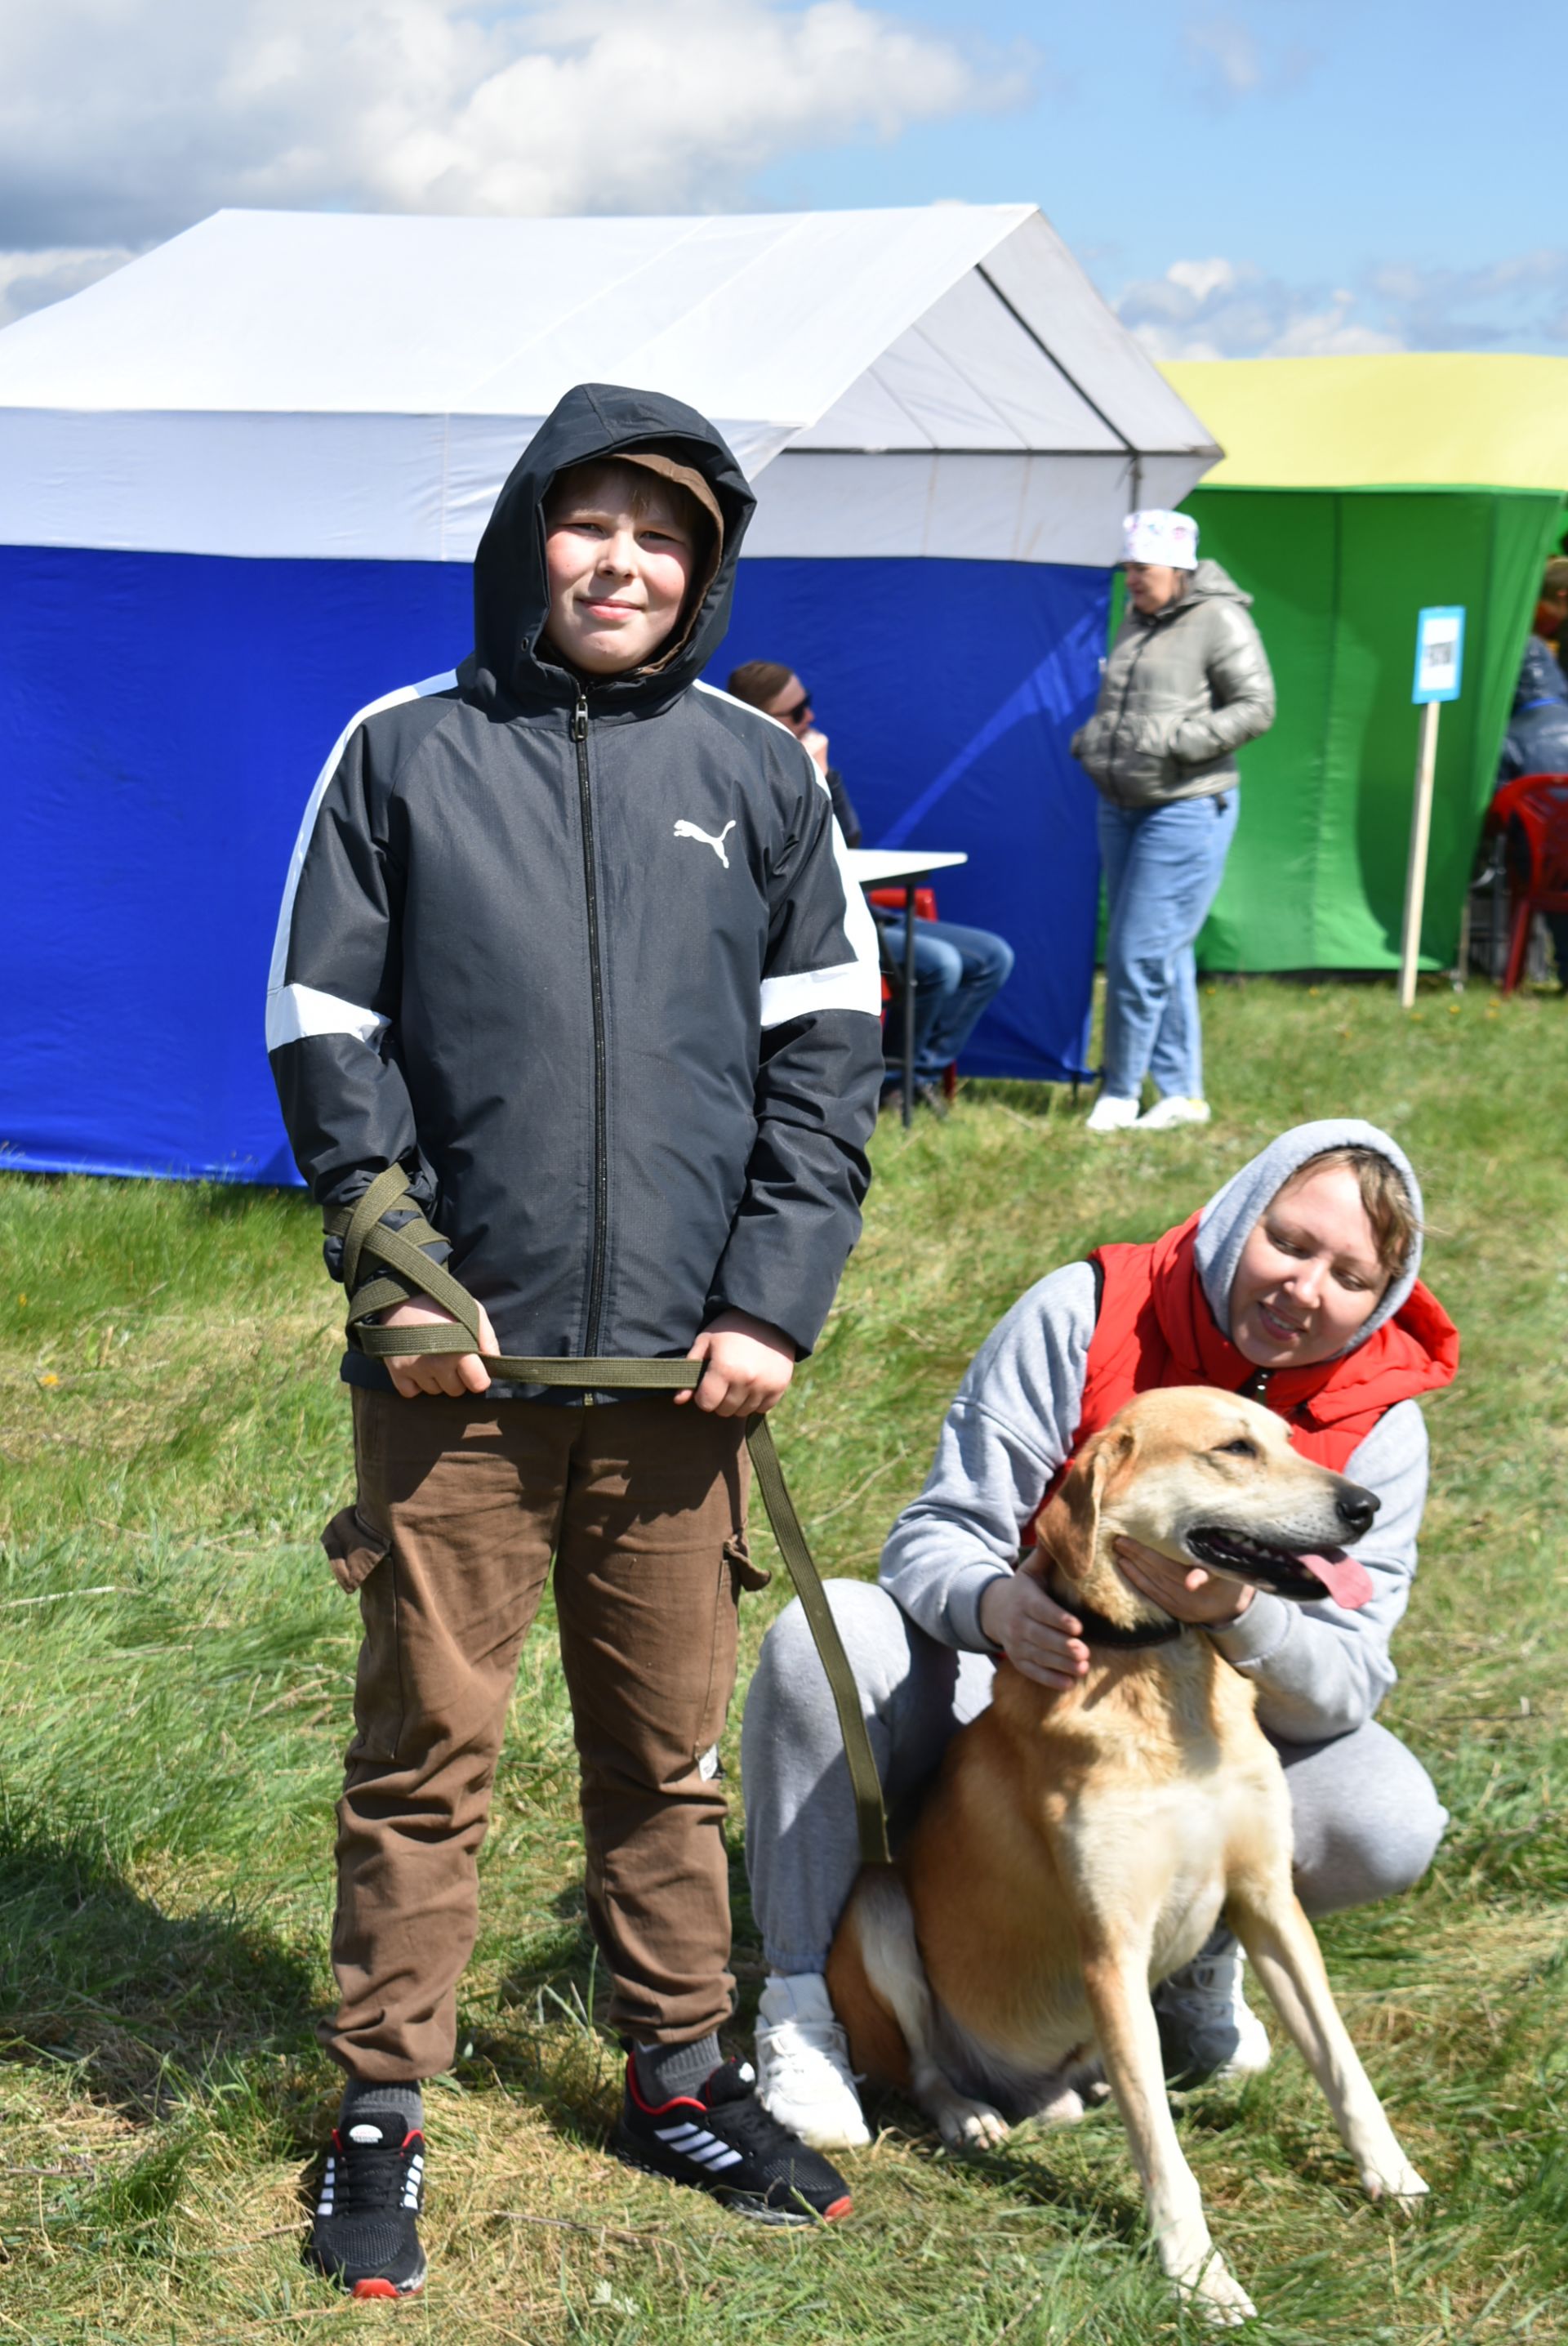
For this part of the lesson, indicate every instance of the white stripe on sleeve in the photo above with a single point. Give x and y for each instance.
(854, 984)
(845, 986)
(280, 1013)
(295, 1011)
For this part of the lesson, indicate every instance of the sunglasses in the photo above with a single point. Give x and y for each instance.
(794, 716)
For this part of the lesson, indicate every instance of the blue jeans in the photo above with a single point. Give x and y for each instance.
(1163, 869)
(957, 972)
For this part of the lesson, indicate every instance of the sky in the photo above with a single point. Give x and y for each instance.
(1262, 179)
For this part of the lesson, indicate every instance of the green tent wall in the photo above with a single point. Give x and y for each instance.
(1353, 492)
(1316, 878)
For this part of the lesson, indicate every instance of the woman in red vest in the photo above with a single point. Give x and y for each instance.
(1296, 1285)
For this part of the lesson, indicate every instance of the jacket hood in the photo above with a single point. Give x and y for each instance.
(1210, 583)
(1228, 1221)
(511, 593)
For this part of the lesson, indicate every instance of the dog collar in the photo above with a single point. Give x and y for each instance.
(1096, 1630)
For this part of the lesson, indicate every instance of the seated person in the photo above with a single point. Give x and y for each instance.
(1536, 741)
(1296, 1286)
(958, 971)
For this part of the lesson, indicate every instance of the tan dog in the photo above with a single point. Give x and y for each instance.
(1079, 1847)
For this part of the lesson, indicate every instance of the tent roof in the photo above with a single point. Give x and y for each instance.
(1415, 419)
(332, 383)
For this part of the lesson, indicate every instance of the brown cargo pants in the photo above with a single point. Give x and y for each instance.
(461, 1505)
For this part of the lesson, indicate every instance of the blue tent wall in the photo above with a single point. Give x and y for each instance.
(949, 692)
(162, 718)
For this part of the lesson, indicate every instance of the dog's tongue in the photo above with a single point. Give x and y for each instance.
(1347, 1583)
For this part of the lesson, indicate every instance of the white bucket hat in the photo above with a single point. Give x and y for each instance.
(1156, 535)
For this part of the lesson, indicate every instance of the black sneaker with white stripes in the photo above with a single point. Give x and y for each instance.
(366, 2236)
(722, 2139)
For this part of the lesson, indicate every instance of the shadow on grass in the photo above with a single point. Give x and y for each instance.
(146, 2004)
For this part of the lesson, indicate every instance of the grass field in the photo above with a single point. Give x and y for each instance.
(175, 1666)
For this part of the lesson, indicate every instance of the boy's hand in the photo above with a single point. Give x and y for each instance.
(453, 1373)
(815, 744)
(749, 1365)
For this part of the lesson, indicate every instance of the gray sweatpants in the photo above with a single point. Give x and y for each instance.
(1366, 1818)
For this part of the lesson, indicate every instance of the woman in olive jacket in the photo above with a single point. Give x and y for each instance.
(1187, 683)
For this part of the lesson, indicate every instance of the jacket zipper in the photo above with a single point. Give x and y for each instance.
(601, 1156)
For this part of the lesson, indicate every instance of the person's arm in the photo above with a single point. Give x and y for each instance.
(1009, 1429)
(848, 821)
(1242, 686)
(1320, 1671)
(331, 1003)
(819, 1077)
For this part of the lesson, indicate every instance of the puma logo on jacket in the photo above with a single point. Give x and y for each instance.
(690, 831)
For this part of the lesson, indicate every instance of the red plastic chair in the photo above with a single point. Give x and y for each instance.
(892, 900)
(1532, 812)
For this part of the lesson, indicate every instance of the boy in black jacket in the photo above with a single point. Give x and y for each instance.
(566, 939)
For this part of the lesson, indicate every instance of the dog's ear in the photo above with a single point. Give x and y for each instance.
(1070, 1526)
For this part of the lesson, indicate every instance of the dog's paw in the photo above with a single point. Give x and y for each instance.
(1062, 2109)
(1396, 2181)
(972, 2125)
(1217, 2296)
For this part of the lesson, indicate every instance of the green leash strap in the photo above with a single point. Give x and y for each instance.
(405, 1269)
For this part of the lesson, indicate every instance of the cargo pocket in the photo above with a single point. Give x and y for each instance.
(743, 1573)
(355, 1548)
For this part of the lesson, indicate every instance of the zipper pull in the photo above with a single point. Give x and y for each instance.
(580, 719)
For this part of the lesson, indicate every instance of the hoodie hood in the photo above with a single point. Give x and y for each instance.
(1228, 1220)
(1210, 583)
(511, 592)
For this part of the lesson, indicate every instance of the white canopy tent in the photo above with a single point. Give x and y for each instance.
(938, 382)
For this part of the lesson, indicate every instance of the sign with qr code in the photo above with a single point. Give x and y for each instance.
(1439, 652)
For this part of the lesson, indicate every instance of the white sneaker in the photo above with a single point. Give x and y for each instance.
(803, 2074)
(1109, 1113)
(1173, 1110)
(1207, 2029)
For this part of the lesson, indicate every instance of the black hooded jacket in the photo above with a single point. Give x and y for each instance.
(579, 955)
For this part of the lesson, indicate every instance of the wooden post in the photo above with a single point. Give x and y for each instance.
(1420, 839)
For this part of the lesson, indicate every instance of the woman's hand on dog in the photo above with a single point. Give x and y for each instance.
(1186, 1592)
(453, 1373)
(1036, 1635)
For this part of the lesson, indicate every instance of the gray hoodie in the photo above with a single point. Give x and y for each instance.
(1320, 1671)
(1182, 690)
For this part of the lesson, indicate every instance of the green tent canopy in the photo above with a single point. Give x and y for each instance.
(1355, 491)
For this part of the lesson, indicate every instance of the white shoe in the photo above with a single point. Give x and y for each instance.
(1207, 2029)
(1173, 1110)
(803, 2074)
(1109, 1113)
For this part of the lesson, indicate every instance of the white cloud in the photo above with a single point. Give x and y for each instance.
(1223, 309)
(1518, 302)
(30, 281)
(1220, 308)
(1224, 62)
(124, 120)
(1224, 56)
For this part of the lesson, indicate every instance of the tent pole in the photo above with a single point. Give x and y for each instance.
(1421, 841)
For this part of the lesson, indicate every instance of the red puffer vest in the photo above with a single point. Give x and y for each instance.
(1155, 1328)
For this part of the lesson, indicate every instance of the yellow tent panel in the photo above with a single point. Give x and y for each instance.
(1425, 419)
